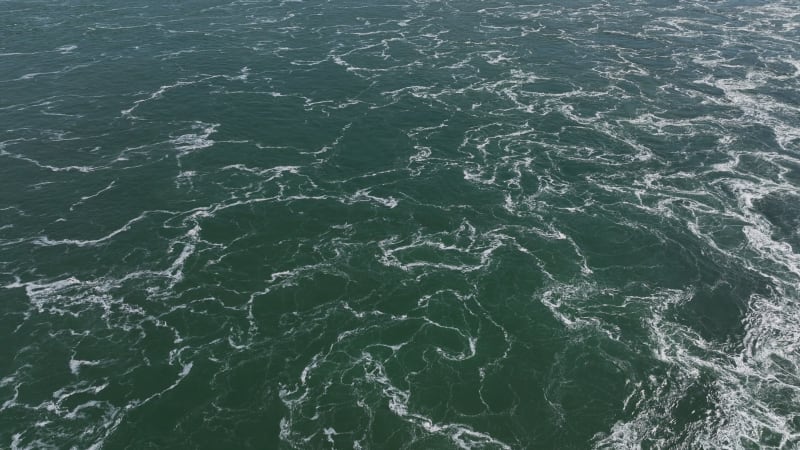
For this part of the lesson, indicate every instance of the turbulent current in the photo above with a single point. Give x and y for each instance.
(416, 224)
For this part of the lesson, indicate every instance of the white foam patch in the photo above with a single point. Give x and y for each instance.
(461, 435)
(782, 118)
(475, 255)
(52, 168)
(66, 49)
(751, 388)
(76, 364)
(187, 143)
(157, 94)
(89, 197)
(45, 241)
(365, 195)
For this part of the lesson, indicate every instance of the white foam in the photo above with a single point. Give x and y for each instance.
(196, 141)
(128, 113)
(82, 169)
(461, 435)
(66, 49)
(89, 197)
(365, 195)
(45, 241)
(75, 365)
(745, 384)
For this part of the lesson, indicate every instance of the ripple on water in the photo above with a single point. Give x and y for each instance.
(423, 224)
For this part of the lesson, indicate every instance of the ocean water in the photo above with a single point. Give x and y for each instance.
(416, 224)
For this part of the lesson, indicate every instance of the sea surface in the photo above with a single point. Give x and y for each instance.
(414, 224)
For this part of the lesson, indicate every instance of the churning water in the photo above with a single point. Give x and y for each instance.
(415, 224)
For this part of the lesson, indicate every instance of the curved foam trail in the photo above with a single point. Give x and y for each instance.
(425, 224)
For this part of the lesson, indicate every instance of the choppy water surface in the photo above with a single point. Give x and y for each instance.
(419, 224)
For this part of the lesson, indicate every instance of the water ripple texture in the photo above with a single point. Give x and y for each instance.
(421, 224)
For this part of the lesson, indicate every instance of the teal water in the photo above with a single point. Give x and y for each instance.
(420, 224)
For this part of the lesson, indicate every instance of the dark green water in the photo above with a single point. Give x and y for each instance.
(421, 224)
